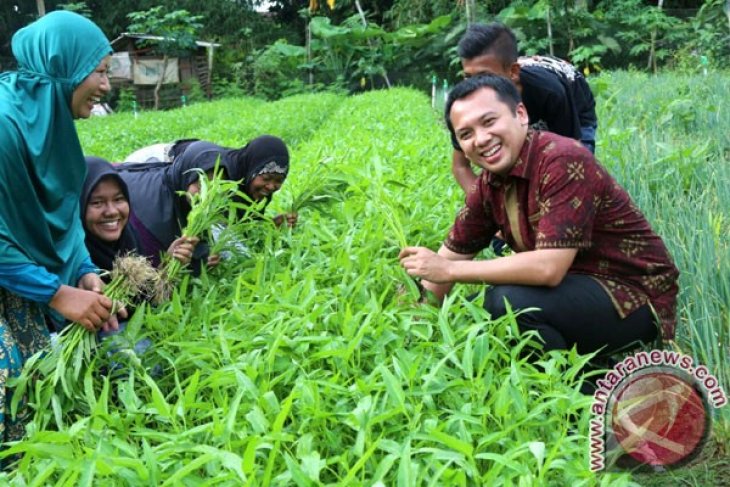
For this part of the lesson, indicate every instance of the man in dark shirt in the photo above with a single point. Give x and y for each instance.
(586, 257)
(556, 95)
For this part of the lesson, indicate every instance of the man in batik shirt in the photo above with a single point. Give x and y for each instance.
(586, 256)
(556, 95)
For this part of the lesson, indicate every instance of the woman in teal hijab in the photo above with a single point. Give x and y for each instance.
(44, 265)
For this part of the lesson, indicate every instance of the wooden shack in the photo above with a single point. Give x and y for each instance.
(135, 65)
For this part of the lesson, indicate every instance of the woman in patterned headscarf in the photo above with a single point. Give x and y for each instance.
(44, 265)
(160, 212)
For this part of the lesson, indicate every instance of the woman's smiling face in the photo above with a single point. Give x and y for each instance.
(265, 185)
(107, 210)
(91, 90)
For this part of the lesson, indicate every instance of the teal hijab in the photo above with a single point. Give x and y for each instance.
(42, 167)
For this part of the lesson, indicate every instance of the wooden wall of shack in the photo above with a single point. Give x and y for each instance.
(192, 69)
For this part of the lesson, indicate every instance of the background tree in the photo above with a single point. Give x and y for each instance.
(593, 34)
(13, 16)
(79, 7)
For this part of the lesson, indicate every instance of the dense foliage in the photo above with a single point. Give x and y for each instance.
(306, 362)
(292, 49)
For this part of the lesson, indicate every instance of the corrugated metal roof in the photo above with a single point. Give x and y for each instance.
(125, 35)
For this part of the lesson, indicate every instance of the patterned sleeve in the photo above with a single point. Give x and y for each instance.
(569, 189)
(474, 226)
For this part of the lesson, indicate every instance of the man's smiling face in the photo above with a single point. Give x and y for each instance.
(489, 132)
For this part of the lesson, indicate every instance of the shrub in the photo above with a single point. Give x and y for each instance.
(276, 70)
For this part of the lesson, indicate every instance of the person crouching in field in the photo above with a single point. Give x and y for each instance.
(556, 95)
(44, 265)
(160, 212)
(162, 152)
(105, 210)
(586, 257)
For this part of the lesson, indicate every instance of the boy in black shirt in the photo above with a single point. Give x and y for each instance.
(556, 95)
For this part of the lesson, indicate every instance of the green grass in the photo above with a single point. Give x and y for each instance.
(666, 141)
(305, 365)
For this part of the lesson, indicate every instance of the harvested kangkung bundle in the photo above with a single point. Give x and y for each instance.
(59, 370)
(209, 208)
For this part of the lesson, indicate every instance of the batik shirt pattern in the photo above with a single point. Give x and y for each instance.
(558, 196)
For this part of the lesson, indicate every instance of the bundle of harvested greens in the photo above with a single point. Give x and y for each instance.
(209, 207)
(58, 371)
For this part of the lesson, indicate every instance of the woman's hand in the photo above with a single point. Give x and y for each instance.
(119, 312)
(182, 248)
(214, 260)
(289, 218)
(90, 309)
(92, 282)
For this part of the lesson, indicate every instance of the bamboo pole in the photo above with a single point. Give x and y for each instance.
(309, 50)
(550, 32)
(470, 11)
(160, 80)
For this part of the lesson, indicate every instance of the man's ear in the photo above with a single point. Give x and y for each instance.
(521, 112)
(514, 73)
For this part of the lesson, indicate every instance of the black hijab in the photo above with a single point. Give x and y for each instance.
(263, 155)
(103, 253)
(154, 186)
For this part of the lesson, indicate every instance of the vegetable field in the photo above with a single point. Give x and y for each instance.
(306, 362)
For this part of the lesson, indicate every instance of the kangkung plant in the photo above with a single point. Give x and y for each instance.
(322, 188)
(295, 366)
(209, 207)
(58, 371)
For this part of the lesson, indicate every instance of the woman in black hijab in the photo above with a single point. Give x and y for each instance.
(105, 207)
(105, 213)
(160, 212)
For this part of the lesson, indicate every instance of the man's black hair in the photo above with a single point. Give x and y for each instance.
(495, 38)
(504, 88)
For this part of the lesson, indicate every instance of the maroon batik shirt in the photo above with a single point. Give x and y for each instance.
(557, 196)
